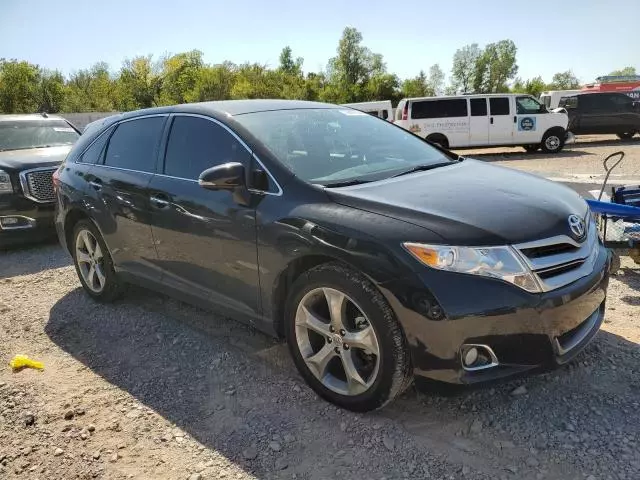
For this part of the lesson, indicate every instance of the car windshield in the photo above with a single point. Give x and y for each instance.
(334, 146)
(23, 134)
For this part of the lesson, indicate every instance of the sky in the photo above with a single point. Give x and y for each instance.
(588, 37)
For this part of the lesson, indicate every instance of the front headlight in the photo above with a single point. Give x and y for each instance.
(495, 262)
(5, 183)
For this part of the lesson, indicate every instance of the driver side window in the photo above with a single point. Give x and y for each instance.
(196, 144)
(528, 106)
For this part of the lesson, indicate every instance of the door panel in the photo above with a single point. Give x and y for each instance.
(206, 241)
(501, 122)
(530, 122)
(478, 122)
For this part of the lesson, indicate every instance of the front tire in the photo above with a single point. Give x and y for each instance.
(345, 340)
(625, 135)
(552, 141)
(93, 263)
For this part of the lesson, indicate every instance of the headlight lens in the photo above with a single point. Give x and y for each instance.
(495, 262)
(5, 183)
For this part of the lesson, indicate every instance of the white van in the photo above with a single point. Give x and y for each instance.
(484, 121)
(552, 98)
(382, 109)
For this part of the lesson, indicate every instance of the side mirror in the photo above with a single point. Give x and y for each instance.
(228, 176)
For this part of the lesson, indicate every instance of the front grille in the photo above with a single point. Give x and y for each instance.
(560, 260)
(37, 184)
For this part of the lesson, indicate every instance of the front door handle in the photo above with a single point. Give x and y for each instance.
(96, 184)
(491, 120)
(159, 201)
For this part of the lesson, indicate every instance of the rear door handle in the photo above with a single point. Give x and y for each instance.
(515, 119)
(159, 201)
(491, 119)
(96, 184)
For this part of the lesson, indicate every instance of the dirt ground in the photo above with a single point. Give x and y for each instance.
(151, 388)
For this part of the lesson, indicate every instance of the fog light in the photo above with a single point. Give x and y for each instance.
(10, 221)
(16, 222)
(471, 356)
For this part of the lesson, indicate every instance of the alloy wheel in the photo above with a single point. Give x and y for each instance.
(90, 260)
(552, 142)
(337, 342)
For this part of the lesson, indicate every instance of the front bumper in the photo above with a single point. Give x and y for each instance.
(33, 221)
(525, 331)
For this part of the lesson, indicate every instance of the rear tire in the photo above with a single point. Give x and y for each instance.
(439, 140)
(552, 141)
(625, 135)
(378, 353)
(93, 263)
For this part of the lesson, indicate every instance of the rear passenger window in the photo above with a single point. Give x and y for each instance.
(439, 108)
(93, 154)
(134, 144)
(196, 144)
(478, 107)
(499, 105)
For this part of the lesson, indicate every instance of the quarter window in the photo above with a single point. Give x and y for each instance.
(478, 107)
(196, 144)
(134, 144)
(456, 107)
(93, 154)
(499, 106)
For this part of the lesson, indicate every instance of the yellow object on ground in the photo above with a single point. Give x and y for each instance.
(22, 361)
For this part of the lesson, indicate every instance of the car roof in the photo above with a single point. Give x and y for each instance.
(28, 116)
(230, 107)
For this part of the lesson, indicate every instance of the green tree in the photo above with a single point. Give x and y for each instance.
(287, 63)
(51, 91)
(417, 86)
(464, 67)
(495, 67)
(139, 84)
(436, 79)
(256, 81)
(179, 75)
(92, 90)
(19, 87)
(214, 83)
(564, 81)
(626, 71)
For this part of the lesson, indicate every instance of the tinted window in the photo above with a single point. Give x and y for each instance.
(478, 107)
(597, 103)
(330, 145)
(568, 102)
(134, 144)
(622, 102)
(196, 144)
(439, 108)
(93, 154)
(527, 105)
(499, 106)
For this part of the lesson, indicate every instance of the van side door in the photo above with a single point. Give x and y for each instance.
(500, 121)
(478, 122)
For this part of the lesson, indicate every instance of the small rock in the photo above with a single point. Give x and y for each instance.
(343, 426)
(29, 419)
(195, 476)
(57, 452)
(388, 443)
(289, 438)
(476, 426)
(91, 427)
(84, 434)
(250, 453)
(591, 477)
(114, 457)
(68, 415)
(79, 411)
(521, 390)
(275, 446)
(296, 388)
(281, 464)
(200, 467)
(96, 455)
(230, 392)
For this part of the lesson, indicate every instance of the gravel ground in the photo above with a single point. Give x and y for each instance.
(150, 388)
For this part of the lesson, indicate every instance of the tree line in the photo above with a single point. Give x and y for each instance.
(354, 74)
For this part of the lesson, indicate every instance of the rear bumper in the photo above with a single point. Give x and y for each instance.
(23, 221)
(524, 331)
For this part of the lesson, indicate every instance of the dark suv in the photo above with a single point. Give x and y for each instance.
(376, 255)
(594, 113)
(31, 149)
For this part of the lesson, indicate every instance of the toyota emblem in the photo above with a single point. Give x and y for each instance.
(576, 224)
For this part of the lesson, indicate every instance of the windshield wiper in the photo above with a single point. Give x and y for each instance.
(422, 168)
(346, 183)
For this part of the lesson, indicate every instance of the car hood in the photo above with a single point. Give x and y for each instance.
(471, 203)
(33, 157)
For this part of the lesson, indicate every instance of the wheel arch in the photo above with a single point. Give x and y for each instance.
(71, 219)
(434, 137)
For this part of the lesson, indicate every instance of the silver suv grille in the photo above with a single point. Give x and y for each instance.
(559, 261)
(37, 184)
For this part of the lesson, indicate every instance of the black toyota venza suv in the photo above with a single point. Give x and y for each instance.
(32, 147)
(377, 256)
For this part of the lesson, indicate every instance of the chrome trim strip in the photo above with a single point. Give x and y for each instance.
(547, 242)
(24, 182)
(488, 349)
(31, 223)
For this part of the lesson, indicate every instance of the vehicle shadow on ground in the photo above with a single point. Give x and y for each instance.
(521, 155)
(612, 142)
(229, 386)
(15, 261)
